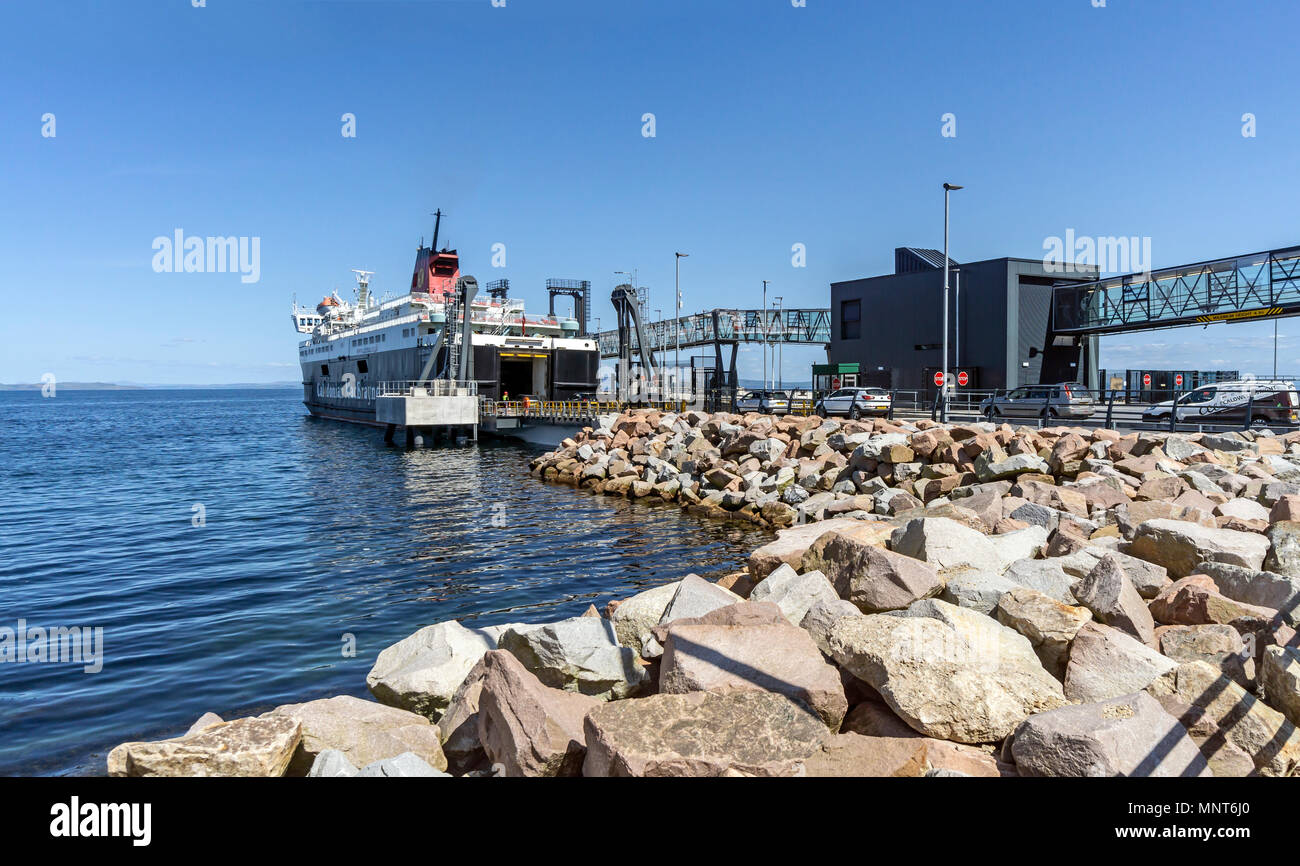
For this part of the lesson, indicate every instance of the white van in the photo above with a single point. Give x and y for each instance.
(1275, 403)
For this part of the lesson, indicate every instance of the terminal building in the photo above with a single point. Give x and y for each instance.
(1000, 324)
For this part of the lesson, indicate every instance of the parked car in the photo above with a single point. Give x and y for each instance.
(767, 402)
(1062, 400)
(854, 402)
(1275, 403)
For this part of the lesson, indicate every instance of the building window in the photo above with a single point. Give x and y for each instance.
(850, 320)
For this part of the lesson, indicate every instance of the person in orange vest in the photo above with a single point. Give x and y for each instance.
(527, 404)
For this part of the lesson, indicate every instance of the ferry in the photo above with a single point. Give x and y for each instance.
(357, 349)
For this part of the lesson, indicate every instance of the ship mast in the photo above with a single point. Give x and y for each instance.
(433, 248)
(363, 288)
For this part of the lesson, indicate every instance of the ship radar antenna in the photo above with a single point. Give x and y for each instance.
(363, 286)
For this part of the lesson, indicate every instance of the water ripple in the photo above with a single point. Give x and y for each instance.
(314, 530)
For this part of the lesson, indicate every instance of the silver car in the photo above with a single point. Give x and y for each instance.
(767, 402)
(855, 402)
(1064, 400)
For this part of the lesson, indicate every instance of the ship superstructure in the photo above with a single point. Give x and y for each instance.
(357, 348)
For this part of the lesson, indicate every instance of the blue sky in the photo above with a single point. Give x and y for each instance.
(775, 125)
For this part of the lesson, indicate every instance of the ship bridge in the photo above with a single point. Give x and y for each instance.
(1256, 286)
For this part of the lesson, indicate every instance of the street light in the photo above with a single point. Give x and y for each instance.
(677, 325)
(943, 401)
(762, 315)
(956, 323)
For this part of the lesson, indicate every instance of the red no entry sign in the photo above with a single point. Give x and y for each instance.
(938, 379)
(1178, 380)
(1146, 380)
(962, 378)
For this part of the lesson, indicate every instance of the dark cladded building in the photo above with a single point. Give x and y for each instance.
(892, 325)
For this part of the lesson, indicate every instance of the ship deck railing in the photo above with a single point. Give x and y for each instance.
(429, 388)
(572, 410)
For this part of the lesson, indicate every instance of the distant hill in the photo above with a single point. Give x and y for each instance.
(71, 386)
(787, 384)
(114, 386)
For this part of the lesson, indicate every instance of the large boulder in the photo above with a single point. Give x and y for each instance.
(822, 616)
(259, 746)
(1279, 674)
(407, 765)
(1226, 760)
(1019, 544)
(1259, 588)
(696, 596)
(1106, 663)
(1147, 578)
(791, 545)
(778, 658)
(636, 616)
(578, 655)
(947, 671)
(744, 613)
(527, 728)
(1180, 546)
(989, 468)
(331, 763)
(857, 756)
(746, 732)
(978, 590)
(1048, 576)
(1130, 735)
(363, 731)
(1114, 600)
(1284, 548)
(794, 593)
(1196, 600)
(458, 727)
(421, 672)
(872, 577)
(946, 545)
(1049, 625)
(1257, 729)
(1215, 644)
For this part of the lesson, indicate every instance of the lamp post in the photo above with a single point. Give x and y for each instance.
(677, 325)
(943, 397)
(762, 315)
(956, 324)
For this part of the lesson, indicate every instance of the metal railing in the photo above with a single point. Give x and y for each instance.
(1261, 408)
(429, 388)
(571, 409)
(1109, 408)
